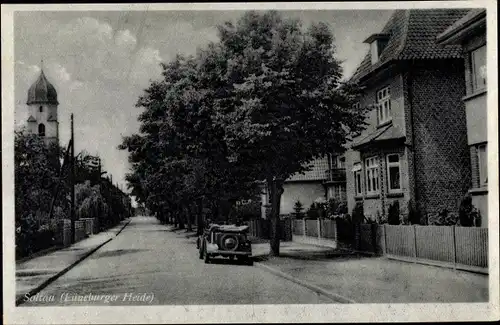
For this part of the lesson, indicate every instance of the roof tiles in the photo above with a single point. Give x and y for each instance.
(413, 36)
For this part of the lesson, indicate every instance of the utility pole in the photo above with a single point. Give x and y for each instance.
(73, 217)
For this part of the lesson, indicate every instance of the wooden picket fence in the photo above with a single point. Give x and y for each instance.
(261, 228)
(457, 247)
(450, 246)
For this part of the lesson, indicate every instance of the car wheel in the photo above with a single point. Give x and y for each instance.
(250, 261)
(206, 256)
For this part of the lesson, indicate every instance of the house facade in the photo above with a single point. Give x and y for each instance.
(470, 33)
(325, 180)
(414, 149)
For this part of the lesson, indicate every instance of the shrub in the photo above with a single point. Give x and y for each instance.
(393, 213)
(358, 214)
(341, 208)
(299, 210)
(331, 207)
(316, 211)
(414, 214)
(443, 218)
(467, 213)
(247, 211)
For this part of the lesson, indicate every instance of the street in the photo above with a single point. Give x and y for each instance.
(149, 265)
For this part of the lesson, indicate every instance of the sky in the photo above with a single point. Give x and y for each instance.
(101, 61)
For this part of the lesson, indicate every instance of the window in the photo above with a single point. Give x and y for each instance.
(393, 173)
(338, 162)
(357, 179)
(478, 63)
(384, 105)
(372, 183)
(40, 109)
(482, 158)
(41, 130)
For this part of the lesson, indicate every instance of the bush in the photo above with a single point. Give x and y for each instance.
(358, 214)
(468, 215)
(299, 210)
(443, 218)
(341, 208)
(414, 214)
(316, 211)
(247, 211)
(393, 213)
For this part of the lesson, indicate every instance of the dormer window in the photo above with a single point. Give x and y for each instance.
(377, 42)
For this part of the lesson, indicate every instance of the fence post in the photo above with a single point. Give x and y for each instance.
(385, 239)
(318, 222)
(415, 242)
(335, 229)
(454, 249)
(304, 226)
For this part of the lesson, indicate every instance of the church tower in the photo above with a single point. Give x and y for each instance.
(42, 106)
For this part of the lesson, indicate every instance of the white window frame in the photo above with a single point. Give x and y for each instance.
(372, 182)
(483, 174)
(393, 164)
(383, 104)
(475, 75)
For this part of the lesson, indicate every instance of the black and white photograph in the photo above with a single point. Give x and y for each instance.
(216, 163)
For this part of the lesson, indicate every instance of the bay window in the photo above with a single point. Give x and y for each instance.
(393, 173)
(482, 158)
(478, 71)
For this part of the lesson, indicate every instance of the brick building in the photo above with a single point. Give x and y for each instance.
(414, 149)
(470, 33)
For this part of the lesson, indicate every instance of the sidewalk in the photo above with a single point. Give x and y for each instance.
(35, 274)
(349, 277)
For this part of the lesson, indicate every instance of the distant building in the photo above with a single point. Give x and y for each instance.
(42, 106)
(470, 33)
(305, 188)
(415, 146)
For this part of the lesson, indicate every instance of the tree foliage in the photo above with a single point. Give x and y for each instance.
(39, 174)
(259, 105)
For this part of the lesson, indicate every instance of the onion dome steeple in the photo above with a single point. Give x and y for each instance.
(42, 92)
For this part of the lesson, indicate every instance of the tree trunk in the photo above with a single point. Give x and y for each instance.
(188, 217)
(199, 218)
(276, 192)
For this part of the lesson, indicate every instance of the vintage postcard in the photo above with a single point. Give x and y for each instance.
(258, 162)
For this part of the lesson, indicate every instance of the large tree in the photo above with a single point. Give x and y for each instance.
(258, 105)
(281, 101)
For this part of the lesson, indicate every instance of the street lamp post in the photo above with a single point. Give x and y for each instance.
(73, 230)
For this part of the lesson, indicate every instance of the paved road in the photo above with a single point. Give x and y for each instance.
(149, 265)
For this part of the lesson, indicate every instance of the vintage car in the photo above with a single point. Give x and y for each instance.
(227, 241)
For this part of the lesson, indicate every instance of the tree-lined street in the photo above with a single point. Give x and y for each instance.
(147, 258)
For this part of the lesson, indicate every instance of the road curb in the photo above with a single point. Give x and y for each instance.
(39, 288)
(310, 286)
(125, 225)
